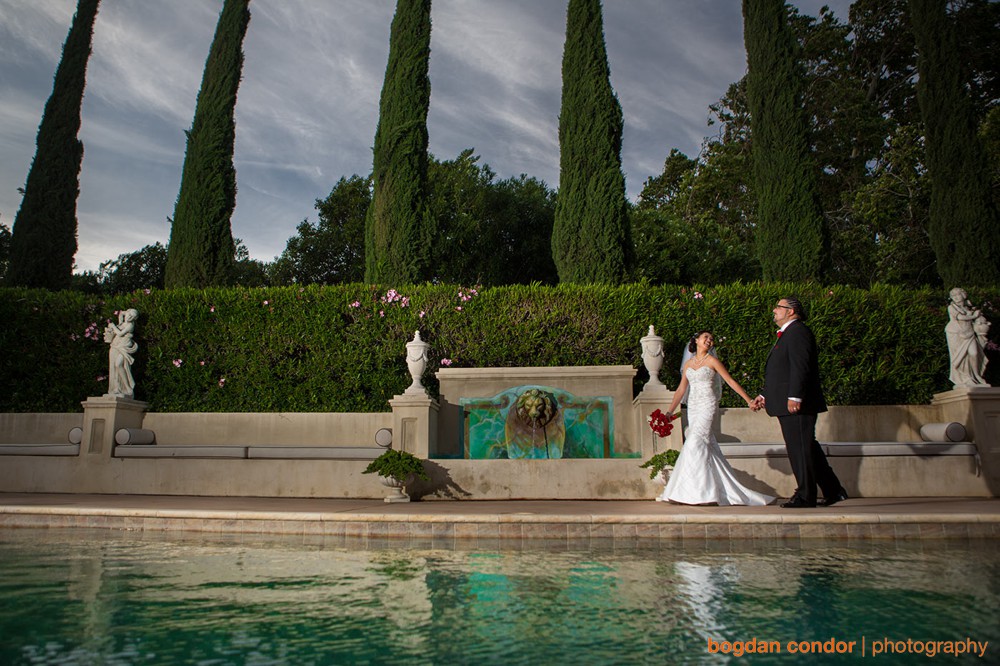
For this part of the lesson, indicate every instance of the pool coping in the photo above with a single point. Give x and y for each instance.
(863, 518)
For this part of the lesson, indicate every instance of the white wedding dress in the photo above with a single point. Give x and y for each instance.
(702, 475)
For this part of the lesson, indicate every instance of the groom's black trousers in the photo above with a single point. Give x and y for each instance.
(809, 464)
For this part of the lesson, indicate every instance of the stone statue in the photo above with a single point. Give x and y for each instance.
(120, 356)
(966, 332)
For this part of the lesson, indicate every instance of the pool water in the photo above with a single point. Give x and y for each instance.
(102, 597)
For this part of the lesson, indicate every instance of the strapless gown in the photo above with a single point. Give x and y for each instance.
(702, 475)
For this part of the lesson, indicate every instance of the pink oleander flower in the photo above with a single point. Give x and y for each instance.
(266, 303)
(699, 295)
(356, 304)
(101, 378)
(212, 309)
(446, 362)
(422, 313)
(177, 362)
(201, 363)
(222, 382)
(147, 291)
(458, 307)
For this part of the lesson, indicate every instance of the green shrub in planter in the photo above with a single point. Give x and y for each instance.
(398, 465)
(661, 461)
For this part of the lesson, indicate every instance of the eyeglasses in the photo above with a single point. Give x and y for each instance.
(787, 307)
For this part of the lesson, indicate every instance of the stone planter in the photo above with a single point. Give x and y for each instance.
(397, 486)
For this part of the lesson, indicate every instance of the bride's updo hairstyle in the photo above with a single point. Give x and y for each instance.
(693, 343)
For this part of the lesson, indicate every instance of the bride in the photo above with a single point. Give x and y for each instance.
(702, 475)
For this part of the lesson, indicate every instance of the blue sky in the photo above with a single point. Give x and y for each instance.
(308, 104)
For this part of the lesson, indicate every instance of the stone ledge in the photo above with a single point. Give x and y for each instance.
(852, 449)
(315, 452)
(39, 449)
(253, 452)
(178, 451)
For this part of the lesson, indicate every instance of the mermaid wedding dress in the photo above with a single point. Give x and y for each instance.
(702, 475)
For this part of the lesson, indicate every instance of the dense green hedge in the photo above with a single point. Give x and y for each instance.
(342, 348)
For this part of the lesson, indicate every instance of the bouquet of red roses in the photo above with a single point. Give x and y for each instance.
(661, 423)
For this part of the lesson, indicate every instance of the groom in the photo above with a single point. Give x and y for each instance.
(792, 392)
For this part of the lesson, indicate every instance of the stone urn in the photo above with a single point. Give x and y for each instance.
(416, 363)
(652, 357)
(398, 486)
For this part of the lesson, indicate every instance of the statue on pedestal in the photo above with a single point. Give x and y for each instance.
(966, 332)
(120, 356)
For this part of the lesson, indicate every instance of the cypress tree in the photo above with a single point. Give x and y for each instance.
(591, 234)
(790, 231)
(201, 250)
(964, 227)
(44, 235)
(398, 227)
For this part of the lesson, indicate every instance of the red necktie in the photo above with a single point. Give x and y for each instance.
(778, 334)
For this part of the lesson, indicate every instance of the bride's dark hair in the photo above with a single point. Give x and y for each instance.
(693, 343)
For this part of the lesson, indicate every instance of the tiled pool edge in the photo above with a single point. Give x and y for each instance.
(513, 526)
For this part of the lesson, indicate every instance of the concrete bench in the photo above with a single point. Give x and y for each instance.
(253, 452)
(315, 452)
(178, 451)
(844, 449)
(39, 449)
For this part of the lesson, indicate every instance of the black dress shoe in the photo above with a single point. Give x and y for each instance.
(839, 497)
(798, 503)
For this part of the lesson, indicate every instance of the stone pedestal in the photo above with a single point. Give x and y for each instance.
(103, 417)
(415, 424)
(978, 409)
(649, 400)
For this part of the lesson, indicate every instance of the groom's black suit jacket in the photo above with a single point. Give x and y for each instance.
(792, 370)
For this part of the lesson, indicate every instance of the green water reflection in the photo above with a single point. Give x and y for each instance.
(95, 597)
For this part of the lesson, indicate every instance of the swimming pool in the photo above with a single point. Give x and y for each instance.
(101, 597)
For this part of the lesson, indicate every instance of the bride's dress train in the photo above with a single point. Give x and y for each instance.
(702, 475)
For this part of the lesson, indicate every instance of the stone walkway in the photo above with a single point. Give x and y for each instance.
(855, 519)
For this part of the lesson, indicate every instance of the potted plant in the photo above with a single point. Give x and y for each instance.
(661, 461)
(395, 470)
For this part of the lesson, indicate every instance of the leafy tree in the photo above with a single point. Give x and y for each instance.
(398, 228)
(790, 236)
(591, 237)
(143, 269)
(44, 237)
(489, 232)
(332, 250)
(249, 272)
(964, 223)
(689, 224)
(201, 249)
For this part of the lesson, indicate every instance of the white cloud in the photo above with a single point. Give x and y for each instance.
(308, 103)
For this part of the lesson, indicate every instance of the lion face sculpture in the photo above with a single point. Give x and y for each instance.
(535, 408)
(534, 427)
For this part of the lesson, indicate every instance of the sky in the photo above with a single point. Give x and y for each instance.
(308, 103)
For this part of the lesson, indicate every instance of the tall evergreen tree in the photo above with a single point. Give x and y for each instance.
(44, 235)
(591, 234)
(790, 233)
(201, 250)
(964, 226)
(398, 228)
